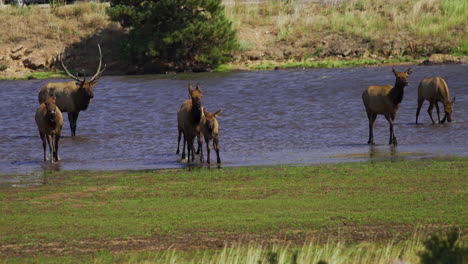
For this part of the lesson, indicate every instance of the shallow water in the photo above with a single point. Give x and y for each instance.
(298, 116)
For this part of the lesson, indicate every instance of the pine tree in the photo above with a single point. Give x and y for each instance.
(183, 34)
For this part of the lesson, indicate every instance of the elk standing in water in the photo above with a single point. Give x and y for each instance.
(188, 122)
(49, 121)
(73, 97)
(385, 100)
(435, 90)
(210, 129)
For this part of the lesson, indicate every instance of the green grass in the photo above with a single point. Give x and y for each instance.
(316, 64)
(374, 199)
(38, 75)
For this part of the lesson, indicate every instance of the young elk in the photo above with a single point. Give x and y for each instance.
(209, 128)
(435, 90)
(385, 100)
(49, 120)
(74, 96)
(188, 122)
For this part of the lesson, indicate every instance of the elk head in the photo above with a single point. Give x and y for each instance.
(401, 77)
(50, 103)
(210, 119)
(448, 108)
(82, 84)
(195, 95)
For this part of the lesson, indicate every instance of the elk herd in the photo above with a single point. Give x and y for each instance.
(195, 121)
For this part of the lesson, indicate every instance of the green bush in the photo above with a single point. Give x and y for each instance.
(444, 251)
(183, 35)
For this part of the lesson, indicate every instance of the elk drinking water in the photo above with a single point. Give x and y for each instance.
(385, 100)
(435, 90)
(74, 96)
(49, 121)
(188, 122)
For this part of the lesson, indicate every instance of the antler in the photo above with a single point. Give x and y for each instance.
(99, 71)
(66, 70)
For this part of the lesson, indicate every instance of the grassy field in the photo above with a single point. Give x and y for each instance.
(380, 209)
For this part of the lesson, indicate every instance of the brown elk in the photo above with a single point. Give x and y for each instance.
(435, 90)
(188, 122)
(209, 128)
(49, 121)
(74, 96)
(385, 100)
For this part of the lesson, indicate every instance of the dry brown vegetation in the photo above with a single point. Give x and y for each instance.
(355, 28)
(280, 31)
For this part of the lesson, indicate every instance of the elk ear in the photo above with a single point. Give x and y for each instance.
(453, 100)
(218, 112)
(190, 89)
(394, 71)
(198, 87)
(409, 71)
(205, 112)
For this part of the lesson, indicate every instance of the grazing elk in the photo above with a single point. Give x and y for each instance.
(188, 122)
(435, 90)
(210, 130)
(385, 100)
(74, 96)
(49, 121)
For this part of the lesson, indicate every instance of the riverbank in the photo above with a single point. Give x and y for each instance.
(85, 216)
(271, 35)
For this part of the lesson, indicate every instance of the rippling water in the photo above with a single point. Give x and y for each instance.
(298, 116)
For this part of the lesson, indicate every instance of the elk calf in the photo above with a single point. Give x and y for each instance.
(385, 100)
(49, 121)
(209, 128)
(188, 121)
(435, 90)
(74, 96)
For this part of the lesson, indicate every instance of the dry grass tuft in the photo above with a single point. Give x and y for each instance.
(56, 27)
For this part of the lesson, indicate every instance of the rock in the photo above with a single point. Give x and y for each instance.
(35, 62)
(17, 48)
(16, 56)
(27, 52)
(441, 59)
(346, 53)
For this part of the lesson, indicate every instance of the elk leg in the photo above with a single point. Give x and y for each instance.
(72, 118)
(189, 147)
(200, 147)
(44, 147)
(183, 146)
(438, 112)
(199, 143)
(420, 103)
(207, 141)
(216, 147)
(429, 111)
(178, 141)
(51, 147)
(371, 116)
(57, 139)
(392, 134)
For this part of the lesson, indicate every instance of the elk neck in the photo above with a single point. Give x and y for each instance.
(196, 114)
(51, 121)
(81, 100)
(397, 92)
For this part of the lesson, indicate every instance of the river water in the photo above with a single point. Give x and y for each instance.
(296, 116)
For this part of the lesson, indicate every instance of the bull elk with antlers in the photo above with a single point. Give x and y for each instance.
(74, 96)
